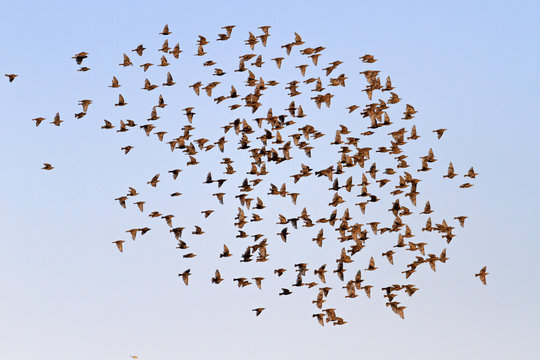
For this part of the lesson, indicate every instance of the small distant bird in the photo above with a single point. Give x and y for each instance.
(57, 120)
(80, 57)
(11, 77)
(461, 220)
(482, 274)
(258, 311)
(285, 292)
(121, 101)
(185, 276)
(439, 132)
(38, 120)
(114, 83)
(47, 166)
(471, 173)
(119, 245)
(165, 30)
(371, 266)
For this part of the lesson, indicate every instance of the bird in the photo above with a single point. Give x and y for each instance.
(38, 120)
(217, 278)
(225, 252)
(126, 62)
(11, 77)
(280, 271)
(371, 266)
(471, 173)
(461, 220)
(165, 30)
(439, 132)
(482, 275)
(47, 166)
(153, 182)
(115, 83)
(185, 276)
(139, 50)
(389, 255)
(451, 174)
(57, 121)
(119, 245)
(258, 311)
(285, 292)
(121, 101)
(79, 57)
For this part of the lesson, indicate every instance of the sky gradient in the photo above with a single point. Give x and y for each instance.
(470, 67)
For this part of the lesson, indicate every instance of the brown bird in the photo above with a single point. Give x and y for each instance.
(198, 231)
(170, 81)
(121, 101)
(461, 220)
(185, 276)
(217, 278)
(165, 30)
(258, 281)
(38, 120)
(219, 196)
(258, 311)
(122, 201)
(439, 132)
(154, 180)
(80, 57)
(389, 256)
(471, 173)
(11, 77)
(108, 125)
(119, 245)
(47, 166)
(225, 252)
(278, 61)
(371, 266)
(140, 205)
(164, 61)
(283, 233)
(126, 62)
(114, 83)
(451, 174)
(176, 51)
(280, 271)
(482, 274)
(320, 318)
(139, 49)
(207, 213)
(320, 273)
(57, 120)
(368, 58)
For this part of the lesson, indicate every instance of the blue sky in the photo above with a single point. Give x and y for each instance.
(470, 67)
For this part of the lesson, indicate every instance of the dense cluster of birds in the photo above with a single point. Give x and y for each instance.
(278, 139)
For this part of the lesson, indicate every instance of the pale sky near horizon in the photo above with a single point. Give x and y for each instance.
(68, 293)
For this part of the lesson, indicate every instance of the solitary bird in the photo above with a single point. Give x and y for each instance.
(11, 77)
(482, 274)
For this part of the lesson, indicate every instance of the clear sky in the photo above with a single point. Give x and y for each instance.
(66, 291)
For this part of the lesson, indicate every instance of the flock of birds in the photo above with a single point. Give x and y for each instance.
(272, 146)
